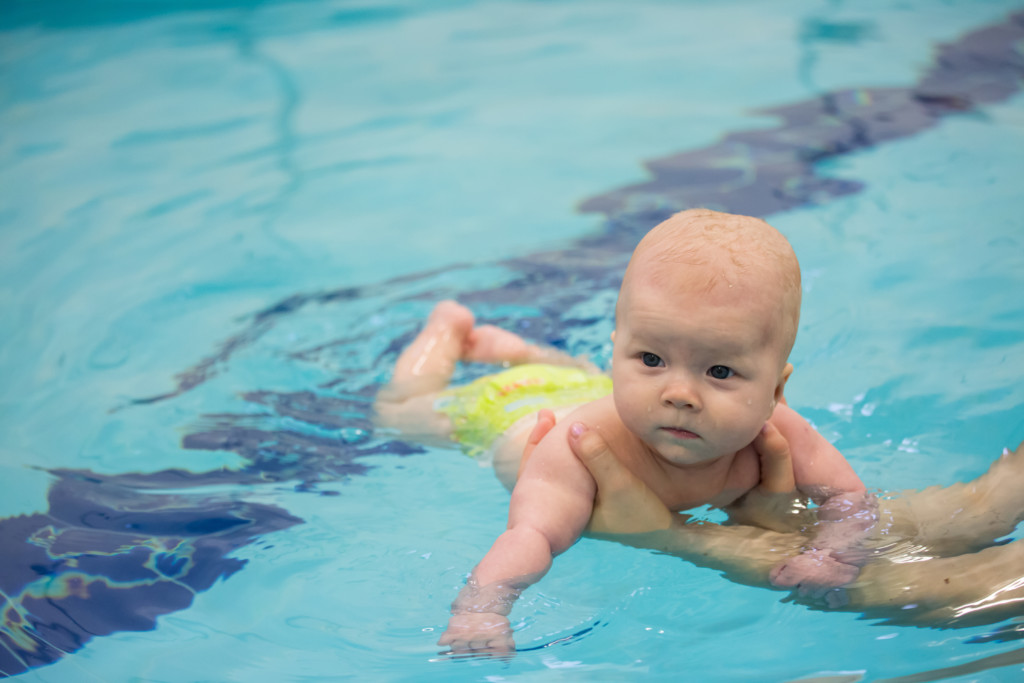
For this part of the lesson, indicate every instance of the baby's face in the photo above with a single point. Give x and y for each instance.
(696, 372)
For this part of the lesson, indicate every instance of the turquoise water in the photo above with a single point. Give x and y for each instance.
(170, 173)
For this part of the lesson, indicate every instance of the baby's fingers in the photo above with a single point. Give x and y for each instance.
(485, 631)
(545, 423)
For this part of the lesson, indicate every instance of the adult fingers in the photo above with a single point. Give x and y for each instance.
(623, 504)
(592, 450)
(776, 461)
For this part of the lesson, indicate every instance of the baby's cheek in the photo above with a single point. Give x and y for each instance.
(763, 407)
(748, 425)
(629, 406)
(631, 420)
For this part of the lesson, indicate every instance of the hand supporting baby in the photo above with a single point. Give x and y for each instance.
(625, 505)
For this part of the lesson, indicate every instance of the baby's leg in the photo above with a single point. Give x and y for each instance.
(450, 336)
(966, 516)
(426, 366)
(490, 344)
(422, 370)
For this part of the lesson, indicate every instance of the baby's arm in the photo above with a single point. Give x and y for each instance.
(550, 507)
(845, 510)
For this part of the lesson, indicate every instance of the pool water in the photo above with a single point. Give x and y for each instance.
(219, 222)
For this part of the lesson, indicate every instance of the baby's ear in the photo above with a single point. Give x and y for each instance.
(783, 378)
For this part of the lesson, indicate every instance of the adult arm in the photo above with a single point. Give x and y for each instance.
(981, 587)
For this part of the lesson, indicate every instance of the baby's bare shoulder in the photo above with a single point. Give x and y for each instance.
(599, 415)
(797, 431)
(817, 464)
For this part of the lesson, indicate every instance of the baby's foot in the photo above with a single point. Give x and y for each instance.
(490, 344)
(427, 364)
(453, 317)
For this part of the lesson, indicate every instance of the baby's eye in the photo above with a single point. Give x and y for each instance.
(651, 360)
(720, 372)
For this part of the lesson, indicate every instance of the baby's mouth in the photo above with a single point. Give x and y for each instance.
(681, 433)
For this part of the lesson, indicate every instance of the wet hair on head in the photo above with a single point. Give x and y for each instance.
(697, 237)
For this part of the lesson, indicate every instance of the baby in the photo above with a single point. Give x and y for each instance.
(704, 324)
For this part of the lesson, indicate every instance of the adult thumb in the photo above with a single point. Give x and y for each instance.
(592, 450)
(623, 504)
(776, 461)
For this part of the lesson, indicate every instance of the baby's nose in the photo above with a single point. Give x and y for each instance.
(681, 393)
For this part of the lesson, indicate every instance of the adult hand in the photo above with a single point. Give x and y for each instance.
(623, 504)
(774, 503)
(776, 461)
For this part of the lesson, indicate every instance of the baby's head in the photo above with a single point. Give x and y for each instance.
(706, 319)
(711, 252)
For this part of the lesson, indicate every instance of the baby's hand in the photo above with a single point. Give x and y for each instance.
(478, 633)
(815, 574)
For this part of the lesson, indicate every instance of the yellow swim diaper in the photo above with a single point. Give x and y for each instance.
(484, 409)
